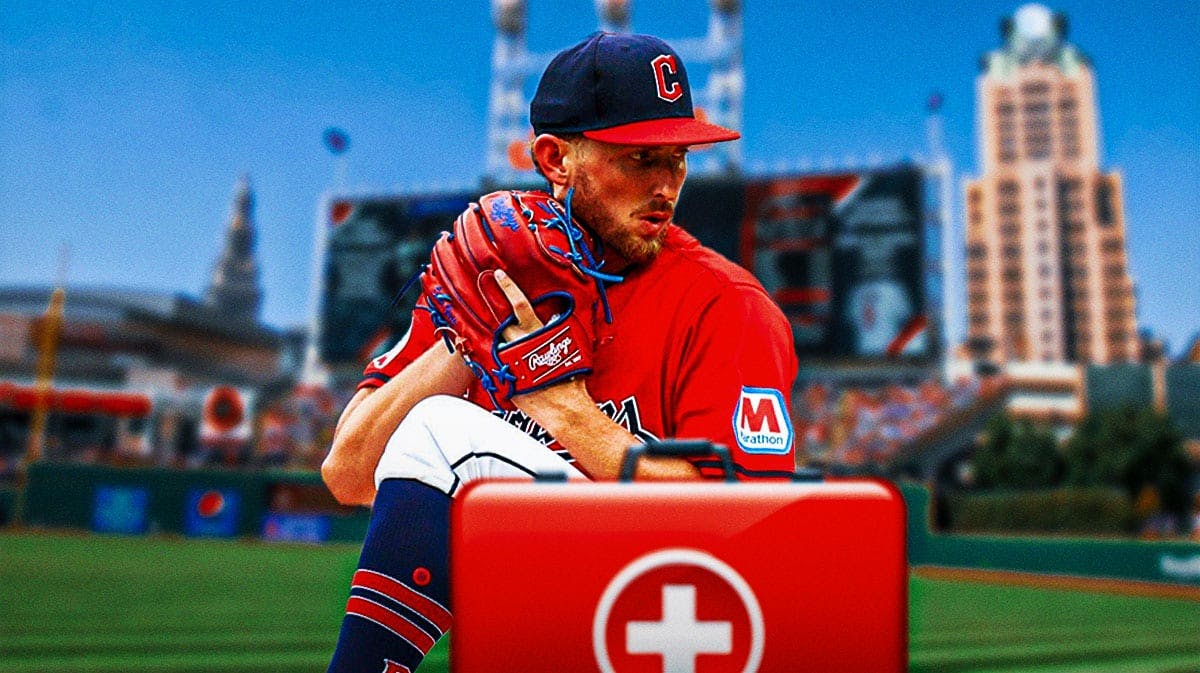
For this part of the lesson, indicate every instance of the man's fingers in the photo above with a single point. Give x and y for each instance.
(517, 298)
(526, 317)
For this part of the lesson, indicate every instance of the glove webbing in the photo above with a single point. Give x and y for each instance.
(579, 254)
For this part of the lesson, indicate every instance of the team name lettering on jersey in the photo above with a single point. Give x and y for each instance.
(625, 415)
(761, 423)
(520, 421)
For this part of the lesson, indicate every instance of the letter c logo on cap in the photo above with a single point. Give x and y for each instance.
(666, 67)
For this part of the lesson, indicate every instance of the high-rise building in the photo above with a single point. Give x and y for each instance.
(1047, 275)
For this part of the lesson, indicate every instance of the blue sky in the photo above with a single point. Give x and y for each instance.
(125, 125)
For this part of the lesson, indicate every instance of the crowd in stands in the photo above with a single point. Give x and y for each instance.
(849, 426)
(296, 432)
(852, 426)
(858, 426)
(291, 432)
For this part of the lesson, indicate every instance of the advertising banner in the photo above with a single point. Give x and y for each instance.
(211, 512)
(120, 509)
(309, 528)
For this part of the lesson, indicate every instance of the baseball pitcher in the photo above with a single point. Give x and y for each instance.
(554, 331)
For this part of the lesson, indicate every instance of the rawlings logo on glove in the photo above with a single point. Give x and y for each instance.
(554, 353)
(531, 238)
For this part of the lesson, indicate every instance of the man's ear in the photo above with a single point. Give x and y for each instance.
(554, 156)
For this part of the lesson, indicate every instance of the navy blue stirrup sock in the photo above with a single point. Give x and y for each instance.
(399, 602)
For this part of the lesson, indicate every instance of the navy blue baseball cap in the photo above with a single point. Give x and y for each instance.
(621, 89)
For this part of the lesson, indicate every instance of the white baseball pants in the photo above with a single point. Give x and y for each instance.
(446, 442)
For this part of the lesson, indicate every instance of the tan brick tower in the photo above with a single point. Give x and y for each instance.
(1047, 276)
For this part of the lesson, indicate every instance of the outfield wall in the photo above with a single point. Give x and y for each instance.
(283, 506)
(296, 507)
(1169, 562)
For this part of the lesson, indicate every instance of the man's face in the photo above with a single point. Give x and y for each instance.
(627, 194)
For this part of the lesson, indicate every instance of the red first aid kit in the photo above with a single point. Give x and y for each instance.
(679, 577)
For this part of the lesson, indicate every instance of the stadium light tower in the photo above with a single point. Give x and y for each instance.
(726, 80)
(513, 66)
(940, 168)
(508, 113)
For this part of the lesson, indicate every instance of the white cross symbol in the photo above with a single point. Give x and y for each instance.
(679, 637)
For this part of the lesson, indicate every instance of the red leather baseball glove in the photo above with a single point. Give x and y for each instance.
(532, 238)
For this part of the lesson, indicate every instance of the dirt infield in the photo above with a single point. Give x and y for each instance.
(1068, 582)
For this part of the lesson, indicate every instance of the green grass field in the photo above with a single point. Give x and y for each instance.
(111, 604)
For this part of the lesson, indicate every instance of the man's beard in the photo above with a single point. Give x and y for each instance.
(588, 207)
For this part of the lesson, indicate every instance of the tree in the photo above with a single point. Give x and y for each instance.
(1083, 453)
(1019, 456)
(1132, 448)
(989, 461)
(1034, 461)
(1159, 460)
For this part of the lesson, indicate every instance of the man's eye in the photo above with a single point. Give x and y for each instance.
(638, 156)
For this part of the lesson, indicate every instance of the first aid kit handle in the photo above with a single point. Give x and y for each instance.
(676, 448)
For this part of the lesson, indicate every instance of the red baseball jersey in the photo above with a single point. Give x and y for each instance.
(696, 350)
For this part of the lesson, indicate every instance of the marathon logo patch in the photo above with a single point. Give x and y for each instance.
(626, 414)
(761, 423)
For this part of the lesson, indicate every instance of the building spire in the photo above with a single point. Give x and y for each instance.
(234, 291)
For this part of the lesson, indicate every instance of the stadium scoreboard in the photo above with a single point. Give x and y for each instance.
(843, 254)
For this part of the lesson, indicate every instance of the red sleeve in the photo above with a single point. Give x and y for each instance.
(415, 341)
(734, 383)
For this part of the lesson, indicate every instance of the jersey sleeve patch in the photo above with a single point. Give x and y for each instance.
(761, 424)
(382, 368)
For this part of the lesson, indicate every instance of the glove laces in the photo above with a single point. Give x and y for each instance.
(579, 253)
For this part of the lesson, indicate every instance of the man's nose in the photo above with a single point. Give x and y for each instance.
(667, 184)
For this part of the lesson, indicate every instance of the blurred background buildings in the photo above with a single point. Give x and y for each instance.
(151, 378)
(1047, 274)
(861, 256)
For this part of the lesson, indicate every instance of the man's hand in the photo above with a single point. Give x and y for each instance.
(565, 393)
(568, 412)
(527, 319)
